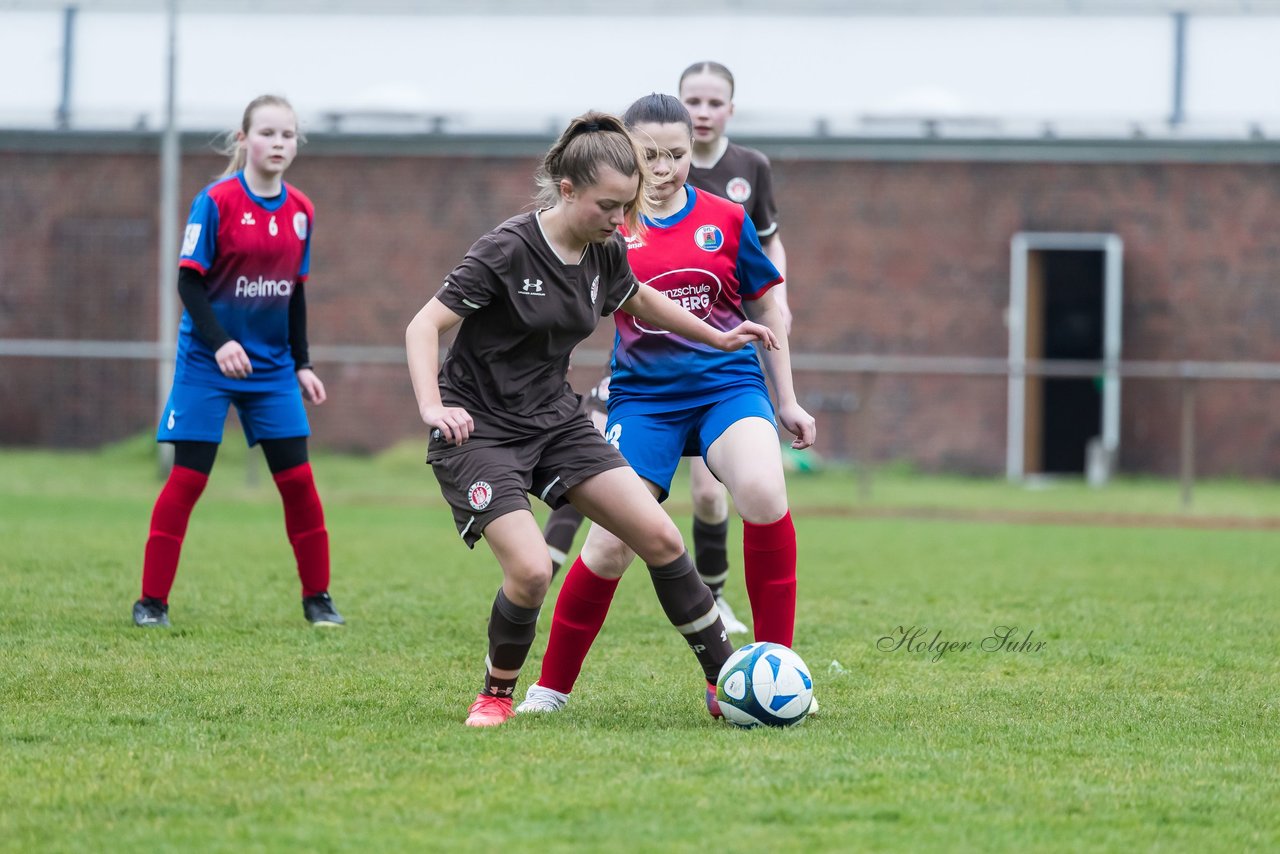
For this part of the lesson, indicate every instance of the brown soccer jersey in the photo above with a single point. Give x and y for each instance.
(523, 313)
(742, 175)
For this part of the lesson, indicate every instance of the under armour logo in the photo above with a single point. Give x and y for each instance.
(247, 219)
(533, 288)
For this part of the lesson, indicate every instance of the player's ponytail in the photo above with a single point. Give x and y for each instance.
(592, 140)
(231, 146)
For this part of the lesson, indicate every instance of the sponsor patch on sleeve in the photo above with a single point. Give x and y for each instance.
(191, 238)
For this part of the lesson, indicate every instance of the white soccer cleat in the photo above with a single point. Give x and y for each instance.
(732, 624)
(539, 699)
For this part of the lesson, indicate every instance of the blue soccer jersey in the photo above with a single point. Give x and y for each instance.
(707, 258)
(252, 252)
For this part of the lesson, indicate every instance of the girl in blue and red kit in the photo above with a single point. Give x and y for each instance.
(243, 340)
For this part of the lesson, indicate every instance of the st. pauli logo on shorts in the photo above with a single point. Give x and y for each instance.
(479, 494)
(738, 190)
(709, 238)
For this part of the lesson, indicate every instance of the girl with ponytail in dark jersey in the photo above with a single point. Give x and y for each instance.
(505, 423)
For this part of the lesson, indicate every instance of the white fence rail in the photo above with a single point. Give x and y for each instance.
(867, 367)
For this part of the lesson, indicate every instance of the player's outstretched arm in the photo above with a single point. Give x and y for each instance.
(422, 344)
(656, 309)
(777, 364)
(777, 253)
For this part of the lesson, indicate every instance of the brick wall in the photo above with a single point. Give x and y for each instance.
(885, 257)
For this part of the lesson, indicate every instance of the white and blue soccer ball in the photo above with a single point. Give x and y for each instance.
(764, 684)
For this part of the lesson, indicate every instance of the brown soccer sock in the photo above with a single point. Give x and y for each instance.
(562, 526)
(691, 608)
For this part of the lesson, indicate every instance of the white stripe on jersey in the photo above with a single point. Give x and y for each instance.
(630, 292)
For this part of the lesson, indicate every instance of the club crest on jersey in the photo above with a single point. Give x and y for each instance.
(479, 494)
(738, 190)
(300, 225)
(595, 289)
(709, 238)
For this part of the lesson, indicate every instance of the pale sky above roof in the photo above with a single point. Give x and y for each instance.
(486, 72)
(790, 8)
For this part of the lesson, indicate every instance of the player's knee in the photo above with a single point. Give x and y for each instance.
(606, 557)
(667, 545)
(531, 579)
(761, 504)
(710, 503)
(706, 491)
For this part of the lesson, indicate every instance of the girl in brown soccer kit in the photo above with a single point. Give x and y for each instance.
(505, 422)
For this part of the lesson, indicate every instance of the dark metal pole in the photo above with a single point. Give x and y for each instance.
(68, 54)
(167, 283)
(1178, 115)
(1187, 462)
(862, 435)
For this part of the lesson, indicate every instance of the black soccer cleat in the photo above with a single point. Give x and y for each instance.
(319, 611)
(149, 613)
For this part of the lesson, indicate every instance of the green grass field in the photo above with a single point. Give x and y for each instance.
(1148, 719)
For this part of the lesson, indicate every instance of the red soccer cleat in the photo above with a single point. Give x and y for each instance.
(712, 705)
(489, 710)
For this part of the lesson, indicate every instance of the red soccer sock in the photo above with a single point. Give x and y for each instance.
(580, 611)
(769, 561)
(304, 522)
(168, 528)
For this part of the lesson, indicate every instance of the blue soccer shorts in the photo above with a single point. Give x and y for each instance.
(197, 413)
(654, 442)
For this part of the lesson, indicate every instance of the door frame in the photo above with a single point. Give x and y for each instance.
(1020, 247)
